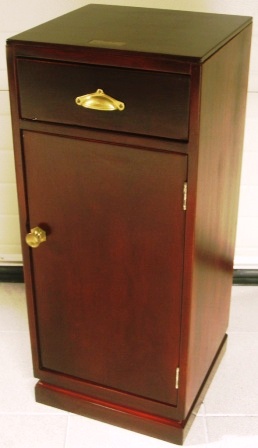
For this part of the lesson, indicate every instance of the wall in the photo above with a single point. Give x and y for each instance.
(19, 15)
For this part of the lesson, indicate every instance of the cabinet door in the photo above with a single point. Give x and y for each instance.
(108, 279)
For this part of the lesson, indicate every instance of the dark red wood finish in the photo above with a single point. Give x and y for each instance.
(161, 111)
(222, 106)
(129, 287)
(192, 36)
(121, 239)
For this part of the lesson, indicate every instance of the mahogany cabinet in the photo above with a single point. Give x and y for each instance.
(128, 131)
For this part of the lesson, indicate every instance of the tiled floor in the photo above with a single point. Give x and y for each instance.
(228, 417)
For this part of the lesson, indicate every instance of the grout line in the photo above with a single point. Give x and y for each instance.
(64, 413)
(242, 331)
(231, 415)
(206, 432)
(67, 430)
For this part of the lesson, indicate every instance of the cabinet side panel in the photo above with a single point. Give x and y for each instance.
(223, 100)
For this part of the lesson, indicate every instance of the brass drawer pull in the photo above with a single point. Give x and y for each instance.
(99, 101)
(35, 237)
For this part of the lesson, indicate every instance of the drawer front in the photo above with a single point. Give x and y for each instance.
(156, 104)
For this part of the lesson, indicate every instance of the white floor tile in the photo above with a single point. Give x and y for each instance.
(200, 411)
(197, 434)
(244, 309)
(234, 389)
(32, 431)
(15, 355)
(234, 442)
(17, 397)
(226, 428)
(86, 433)
(13, 315)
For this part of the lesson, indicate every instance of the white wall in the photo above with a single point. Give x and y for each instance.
(19, 15)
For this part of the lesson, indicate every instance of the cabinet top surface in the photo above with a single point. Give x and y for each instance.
(180, 34)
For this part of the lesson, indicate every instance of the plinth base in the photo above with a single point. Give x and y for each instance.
(159, 427)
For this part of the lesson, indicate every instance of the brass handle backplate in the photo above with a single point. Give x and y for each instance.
(35, 237)
(99, 101)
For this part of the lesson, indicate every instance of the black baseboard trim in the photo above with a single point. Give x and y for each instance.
(14, 274)
(11, 274)
(245, 277)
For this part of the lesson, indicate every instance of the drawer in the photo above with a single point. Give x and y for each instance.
(156, 104)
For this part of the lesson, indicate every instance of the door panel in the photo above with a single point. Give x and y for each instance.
(108, 279)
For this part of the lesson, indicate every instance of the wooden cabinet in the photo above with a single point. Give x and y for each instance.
(128, 130)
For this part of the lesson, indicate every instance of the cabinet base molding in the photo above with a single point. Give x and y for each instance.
(151, 425)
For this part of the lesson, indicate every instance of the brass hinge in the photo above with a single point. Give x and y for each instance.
(185, 196)
(177, 378)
